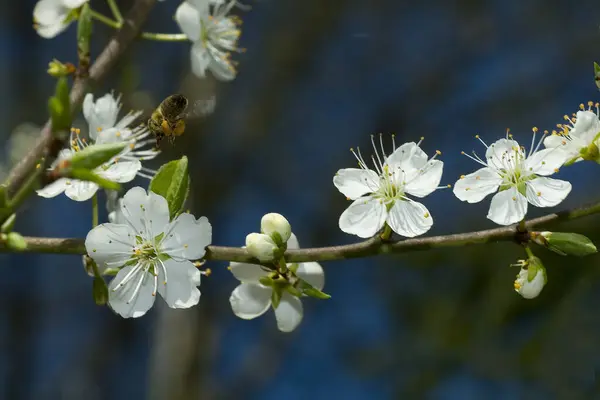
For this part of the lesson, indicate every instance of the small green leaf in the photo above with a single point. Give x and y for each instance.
(100, 291)
(94, 156)
(15, 241)
(9, 224)
(87, 175)
(172, 182)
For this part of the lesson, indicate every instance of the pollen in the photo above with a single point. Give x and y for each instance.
(99, 129)
(207, 272)
(185, 246)
(581, 106)
(539, 193)
(38, 166)
(118, 134)
(426, 215)
(478, 177)
(514, 198)
(131, 146)
(556, 169)
(439, 153)
(590, 103)
(462, 177)
(535, 129)
(348, 198)
(229, 267)
(517, 285)
(467, 189)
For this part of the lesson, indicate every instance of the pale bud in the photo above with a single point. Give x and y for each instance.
(261, 246)
(531, 279)
(276, 226)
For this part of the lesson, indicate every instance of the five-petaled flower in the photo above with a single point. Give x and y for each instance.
(252, 299)
(153, 253)
(518, 178)
(214, 35)
(380, 196)
(51, 17)
(580, 139)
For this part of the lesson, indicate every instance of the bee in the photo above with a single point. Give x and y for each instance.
(169, 117)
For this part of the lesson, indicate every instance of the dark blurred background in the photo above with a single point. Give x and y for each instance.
(318, 78)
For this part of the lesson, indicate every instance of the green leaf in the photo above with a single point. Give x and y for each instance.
(94, 156)
(311, 291)
(15, 241)
(87, 175)
(172, 182)
(100, 291)
(572, 244)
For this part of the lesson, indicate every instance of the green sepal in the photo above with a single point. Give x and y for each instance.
(172, 182)
(15, 241)
(572, 244)
(9, 224)
(100, 291)
(267, 281)
(94, 156)
(293, 291)
(87, 175)
(276, 296)
(59, 107)
(597, 75)
(311, 291)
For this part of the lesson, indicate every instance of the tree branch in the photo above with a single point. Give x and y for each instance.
(365, 248)
(47, 146)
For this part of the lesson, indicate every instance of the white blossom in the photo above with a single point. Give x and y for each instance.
(518, 177)
(252, 299)
(261, 246)
(530, 288)
(381, 196)
(152, 252)
(51, 17)
(273, 223)
(213, 33)
(580, 138)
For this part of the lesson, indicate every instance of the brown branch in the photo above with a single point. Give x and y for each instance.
(365, 248)
(48, 146)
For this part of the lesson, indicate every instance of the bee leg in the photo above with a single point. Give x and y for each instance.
(159, 137)
(179, 128)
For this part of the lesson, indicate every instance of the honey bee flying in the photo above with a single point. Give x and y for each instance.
(169, 117)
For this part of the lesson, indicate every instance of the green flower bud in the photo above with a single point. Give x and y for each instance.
(58, 69)
(261, 246)
(276, 226)
(15, 241)
(565, 243)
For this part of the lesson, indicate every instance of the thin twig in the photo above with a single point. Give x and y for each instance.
(365, 248)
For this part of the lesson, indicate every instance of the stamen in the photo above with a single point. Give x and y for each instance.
(481, 140)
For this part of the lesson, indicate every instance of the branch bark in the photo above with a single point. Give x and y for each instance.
(47, 147)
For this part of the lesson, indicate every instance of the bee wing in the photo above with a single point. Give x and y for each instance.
(202, 108)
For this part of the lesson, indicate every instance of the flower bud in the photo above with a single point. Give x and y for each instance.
(276, 226)
(564, 243)
(261, 246)
(58, 69)
(531, 279)
(15, 241)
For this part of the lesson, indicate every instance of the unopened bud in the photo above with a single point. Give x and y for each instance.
(261, 246)
(15, 241)
(276, 226)
(100, 291)
(531, 279)
(565, 243)
(58, 69)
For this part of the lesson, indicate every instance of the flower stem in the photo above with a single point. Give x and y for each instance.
(115, 10)
(529, 252)
(165, 37)
(387, 231)
(105, 20)
(95, 210)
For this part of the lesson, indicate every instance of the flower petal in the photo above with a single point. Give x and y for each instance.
(122, 171)
(53, 189)
(354, 182)
(547, 161)
(502, 154)
(427, 180)
(289, 313)
(123, 302)
(409, 218)
(474, 187)
(508, 207)
(49, 17)
(147, 213)
(364, 217)
(220, 66)
(586, 127)
(408, 158)
(180, 289)
(188, 19)
(110, 245)
(292, 243)
(200, 59)
(187, 237)
(312, 273)
(249, 301)
(80, 190)
(547, 192)
(247, 273)
(74, 3)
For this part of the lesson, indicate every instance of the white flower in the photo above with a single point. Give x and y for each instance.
(154, 254)
(581, 138)
(261, 246)
(252, 299)
(213, 33)
(530, 286)
(51, 17)
(517, 177)
(273, 223)
(114, 206)
(380, 196)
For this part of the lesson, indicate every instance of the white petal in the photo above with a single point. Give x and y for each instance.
(110, 243)
(354, 182)
(220, 68)
(292, 243)
(74, 3)
(546, 162)
(409, 157)
(527, 289)
(500, 153)
(181, 289)
(312, 273)
(586, 127)
(106, 110)
(247, 273)
(53, 189)
(427, 180)
(188, 19)
(249, 301)
(508, 207)
(128, 120)
(289, 313)
(547, 192)
(474, 187)
(112, 135)
(52, 30)
(49, 15)
(80, 190)
(200, 59)
(121, 300)
(187, 237)
(148, 213)
(364, 218)
(122, 171)
(409, 218)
